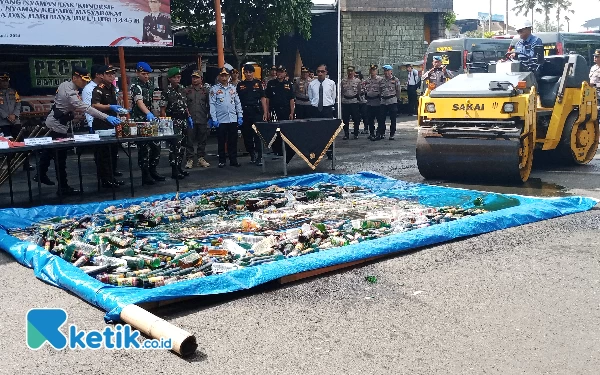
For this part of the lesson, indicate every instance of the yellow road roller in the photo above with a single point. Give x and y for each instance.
(486, 126)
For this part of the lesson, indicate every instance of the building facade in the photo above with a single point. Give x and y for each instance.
(389, 31)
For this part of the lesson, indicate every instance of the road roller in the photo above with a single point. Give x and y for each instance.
(485, 126)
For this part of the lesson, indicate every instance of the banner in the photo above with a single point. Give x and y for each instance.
(51, 72)
(86, 22)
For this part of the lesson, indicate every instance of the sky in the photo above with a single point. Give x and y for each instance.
(470, 8)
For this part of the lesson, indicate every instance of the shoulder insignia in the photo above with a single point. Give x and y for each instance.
(256, 86)
(17, 97)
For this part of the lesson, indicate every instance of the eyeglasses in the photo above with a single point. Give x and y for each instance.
(321, 71)
(154, 1)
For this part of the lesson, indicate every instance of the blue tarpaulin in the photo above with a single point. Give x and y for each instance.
(506, 211)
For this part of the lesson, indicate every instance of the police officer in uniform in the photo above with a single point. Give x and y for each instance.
(157, 25)
(372, 89)
(351, 91)
(104, 99)
(254, 105)
(66, 102)
(390, 93)
(142, 92)
(173, 104)
(272, 75)
(303, 107)
(595, 75)
(226, 115)
(438, 74)
(197, 101)
(280, 99)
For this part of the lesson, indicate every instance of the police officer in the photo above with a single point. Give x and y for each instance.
(362, 103)
(303, 107)
(372, 89)
(226, 115)
(157, 25)
(438, 74)
(351, 91)
(280, 99)
(173, 104)
(66, 102)
(104, 99)
(142, 92)
(390, 93)
(197, 101)
(235, 77)
(272, 75)
(595, 74)
(254, 105)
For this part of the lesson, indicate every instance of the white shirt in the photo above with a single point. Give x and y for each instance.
(86, 97)
(413, 77)
(329, 92)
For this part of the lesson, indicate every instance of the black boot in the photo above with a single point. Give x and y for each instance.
(181, 171)
(43, 179)
(146, 177)
(259, 160)
(252, 157)
(154, 174)
(28, 167)
(175, 173)
(67, 190)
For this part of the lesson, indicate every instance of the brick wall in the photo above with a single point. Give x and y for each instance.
(418, 6)
(381, 38)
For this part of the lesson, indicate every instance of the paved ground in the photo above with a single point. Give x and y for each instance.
(523, 300)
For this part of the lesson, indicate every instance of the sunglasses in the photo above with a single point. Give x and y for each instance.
(321, 71)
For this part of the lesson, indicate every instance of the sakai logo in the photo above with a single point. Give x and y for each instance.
(468, 107)
(495, 105)
(44, 325)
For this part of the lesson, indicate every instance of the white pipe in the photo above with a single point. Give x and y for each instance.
(339, 62)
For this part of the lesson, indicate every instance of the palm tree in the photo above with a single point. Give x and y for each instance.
(524, 7)
(545, 6)
(568, 19)
(563, 5)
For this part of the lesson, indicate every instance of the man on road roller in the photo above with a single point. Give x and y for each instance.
(485, 126)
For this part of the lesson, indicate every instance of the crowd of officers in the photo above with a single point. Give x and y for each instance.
(228, 106)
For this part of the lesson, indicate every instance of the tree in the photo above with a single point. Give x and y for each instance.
(525, 7)
(550, 27)
(563, 5)
(249, 25)
(449, 19)
(545, 6)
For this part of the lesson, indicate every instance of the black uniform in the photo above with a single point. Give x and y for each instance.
(279, 93)
(105, 156)
(157, 25)
(251, 93)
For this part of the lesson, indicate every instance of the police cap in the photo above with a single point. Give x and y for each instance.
(351, 68)
(597, 53)
(81, 72)
(223, 71)
(103, 69)
(281, 68)
(437, 58)
(173, 72)
(387, 67)
(143, 67)
(273, 67)
(197, 73)
(374, 67)
(249, 68)
(235, 71)
(4, 76)
(304, 70)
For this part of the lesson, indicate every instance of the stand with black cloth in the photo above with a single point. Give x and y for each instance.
(309, 138)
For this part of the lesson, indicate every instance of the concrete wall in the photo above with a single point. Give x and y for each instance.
(408, 6)
(381, 38)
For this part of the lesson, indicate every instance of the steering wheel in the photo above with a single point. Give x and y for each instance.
(508, 55)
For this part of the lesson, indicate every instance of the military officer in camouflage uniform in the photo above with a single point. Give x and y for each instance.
(142, 92)
(303, 107)
(157, 25)
(595, 75)
(173, 104)
(390, 93)
(438, 74)
(197, 101)
(372, 89)
(351, 91)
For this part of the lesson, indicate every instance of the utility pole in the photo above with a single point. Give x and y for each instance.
(506, 19)
(568, 19)
(490, 23)
(219, 29)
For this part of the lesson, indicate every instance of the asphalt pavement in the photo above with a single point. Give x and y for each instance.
(523, 300)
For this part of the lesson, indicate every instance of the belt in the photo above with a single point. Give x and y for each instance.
(351, 97)
(373, 97)
(302, 99)
(388, 97)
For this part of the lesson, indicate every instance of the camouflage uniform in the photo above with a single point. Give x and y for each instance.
(173, 98)
(148, 152)
(595, 80)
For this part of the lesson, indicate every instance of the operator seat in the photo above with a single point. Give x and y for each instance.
(548, 78)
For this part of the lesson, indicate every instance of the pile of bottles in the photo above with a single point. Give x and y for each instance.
(152, 244)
